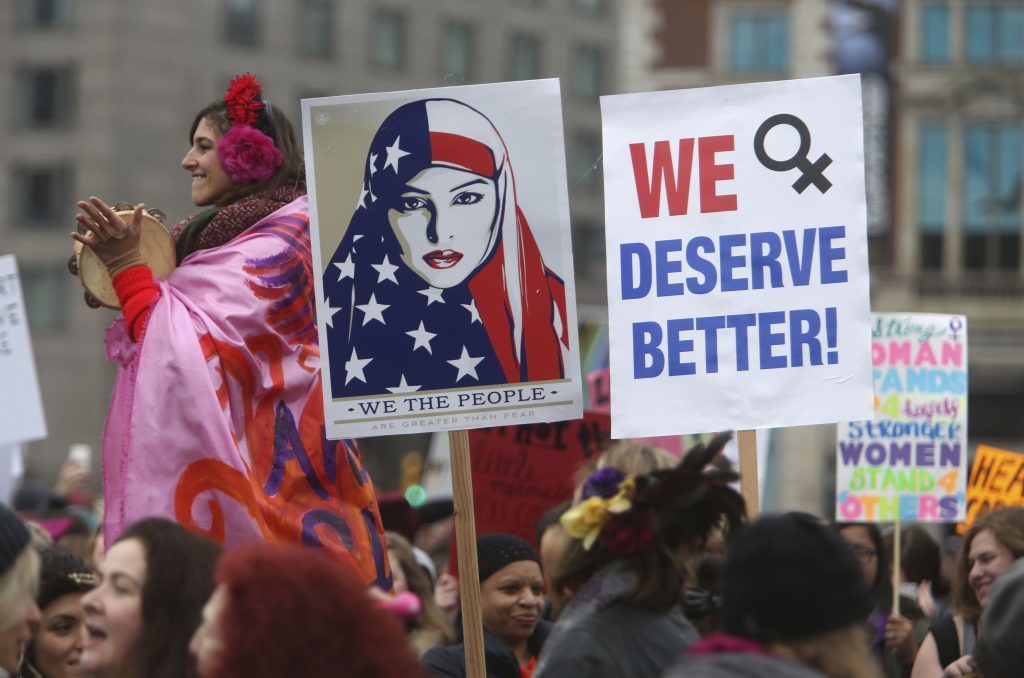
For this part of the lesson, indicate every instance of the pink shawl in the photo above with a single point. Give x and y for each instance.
(217, 417)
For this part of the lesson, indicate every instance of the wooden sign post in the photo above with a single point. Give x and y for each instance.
(749, 471)
(469, 572)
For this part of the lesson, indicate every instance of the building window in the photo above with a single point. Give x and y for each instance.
(457, 51)
(524, 57)
(316, 28)
(242, 22)
(45, 13)
(994, 33)
(44, 96)
(759, 42)
(41, 195)
(45, 290)
(935, 33)
(387, 41)
(932, 190)
(583, 163)
(991, 194)
(587, 71)
(594, 7)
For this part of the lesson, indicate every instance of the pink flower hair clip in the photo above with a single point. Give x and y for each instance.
(247, 154)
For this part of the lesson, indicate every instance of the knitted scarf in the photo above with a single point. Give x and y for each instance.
(218, 225)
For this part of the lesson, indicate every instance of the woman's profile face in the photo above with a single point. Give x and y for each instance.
(206, 644)
(113, 610)
(57, 645)
(210, 183)
(445, 221)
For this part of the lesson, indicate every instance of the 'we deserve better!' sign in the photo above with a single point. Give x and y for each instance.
(737, 257)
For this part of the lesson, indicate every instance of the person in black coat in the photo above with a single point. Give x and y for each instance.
(511, 601)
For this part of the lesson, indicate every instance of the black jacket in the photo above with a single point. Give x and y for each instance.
(450, 662)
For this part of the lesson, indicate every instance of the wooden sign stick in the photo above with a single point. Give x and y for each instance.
(469, 572)
(747, 439)
(896, 566)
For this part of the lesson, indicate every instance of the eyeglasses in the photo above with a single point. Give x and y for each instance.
(863, 553)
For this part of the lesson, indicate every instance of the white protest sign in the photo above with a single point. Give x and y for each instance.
(21, 407)
(444, 280)
(737, 257)
(910, 461)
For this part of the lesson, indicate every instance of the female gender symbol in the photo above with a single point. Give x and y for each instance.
(809, 173)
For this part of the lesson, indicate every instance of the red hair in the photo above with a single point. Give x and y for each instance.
(292, 611)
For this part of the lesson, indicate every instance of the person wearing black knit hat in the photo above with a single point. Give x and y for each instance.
(511, 600)
(795, 602)
(56, 647)
(19, 577)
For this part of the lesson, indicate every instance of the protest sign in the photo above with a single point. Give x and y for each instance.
(444, 286)
(910, 462)
(737, 257)
(997, 480)
(21, 407)
(519, 472)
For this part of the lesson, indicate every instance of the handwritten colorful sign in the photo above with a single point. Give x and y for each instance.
(737, 257)
(997, 480)
(910, 461)
(444, 286)
(21, 407)
(519, 472)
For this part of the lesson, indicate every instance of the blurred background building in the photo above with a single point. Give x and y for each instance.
(98, 95)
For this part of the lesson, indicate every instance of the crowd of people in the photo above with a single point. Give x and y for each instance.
(651, 569)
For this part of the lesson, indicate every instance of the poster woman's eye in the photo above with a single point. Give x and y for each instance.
(413, 203)
(467, 198)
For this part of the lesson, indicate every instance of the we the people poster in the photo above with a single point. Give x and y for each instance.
(444, 281)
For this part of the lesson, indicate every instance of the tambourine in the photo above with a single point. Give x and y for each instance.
(155, 245)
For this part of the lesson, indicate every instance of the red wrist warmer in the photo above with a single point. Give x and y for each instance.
(136, 291)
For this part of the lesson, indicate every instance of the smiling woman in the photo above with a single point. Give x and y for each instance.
(511, 601)
(233, 329)
(438, 281)
(56, 647)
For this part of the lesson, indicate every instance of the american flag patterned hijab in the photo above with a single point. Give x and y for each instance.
(438, 282)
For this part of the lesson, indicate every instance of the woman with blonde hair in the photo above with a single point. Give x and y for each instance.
(429, 628)
(19, 578)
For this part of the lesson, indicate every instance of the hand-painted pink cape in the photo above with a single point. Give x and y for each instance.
(217, 417)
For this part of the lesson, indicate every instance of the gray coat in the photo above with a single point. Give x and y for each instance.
(620, 641)
(740, 665)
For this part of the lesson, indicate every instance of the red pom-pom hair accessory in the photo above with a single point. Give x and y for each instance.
(246, 153)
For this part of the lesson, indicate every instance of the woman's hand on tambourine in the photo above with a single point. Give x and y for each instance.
(115, 242)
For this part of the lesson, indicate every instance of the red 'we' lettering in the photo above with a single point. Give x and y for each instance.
(675, 176)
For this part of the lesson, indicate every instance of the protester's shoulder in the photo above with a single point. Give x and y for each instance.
(740, 665)
(442, 662)
(623, 615)
(580, 653)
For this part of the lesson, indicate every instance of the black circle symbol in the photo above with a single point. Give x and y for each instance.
(810, 173)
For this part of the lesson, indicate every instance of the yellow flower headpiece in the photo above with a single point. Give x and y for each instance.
(586, 520)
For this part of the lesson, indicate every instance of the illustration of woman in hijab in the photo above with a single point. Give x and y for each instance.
(438, 282)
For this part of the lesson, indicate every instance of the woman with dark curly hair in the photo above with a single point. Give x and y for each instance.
(620, 584)
(288, 611)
